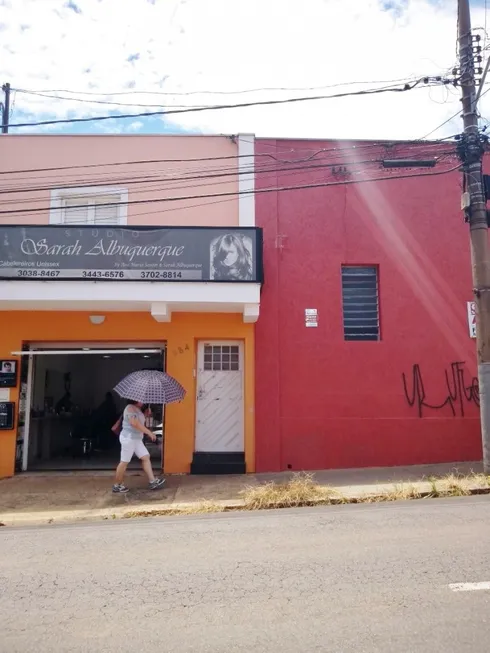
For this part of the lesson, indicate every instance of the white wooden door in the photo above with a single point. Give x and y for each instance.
(219, 406)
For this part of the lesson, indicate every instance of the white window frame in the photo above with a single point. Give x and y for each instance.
(56, 215)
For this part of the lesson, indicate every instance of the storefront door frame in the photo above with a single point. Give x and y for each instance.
(71, 348)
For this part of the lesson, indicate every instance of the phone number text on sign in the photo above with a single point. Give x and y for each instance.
(135, 275)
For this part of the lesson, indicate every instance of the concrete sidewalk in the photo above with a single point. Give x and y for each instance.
(45, 498)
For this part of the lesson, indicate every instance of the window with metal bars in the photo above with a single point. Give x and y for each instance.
(360, 302)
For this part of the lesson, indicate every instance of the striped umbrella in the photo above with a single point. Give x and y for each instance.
(150, 387)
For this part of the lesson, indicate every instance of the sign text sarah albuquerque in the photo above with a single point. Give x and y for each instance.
(131, 253)
(102, 247)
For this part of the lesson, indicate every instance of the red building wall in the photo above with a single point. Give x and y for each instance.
(323, 402)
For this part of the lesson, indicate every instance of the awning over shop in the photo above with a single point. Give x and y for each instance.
(161, 299)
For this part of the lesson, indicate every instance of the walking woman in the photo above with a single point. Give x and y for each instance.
(131, 439)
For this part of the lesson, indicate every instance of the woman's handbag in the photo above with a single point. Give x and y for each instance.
(117, 427)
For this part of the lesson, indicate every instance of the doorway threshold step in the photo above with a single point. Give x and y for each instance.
(218, 463)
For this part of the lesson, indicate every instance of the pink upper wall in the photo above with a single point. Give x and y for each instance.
(159, 180)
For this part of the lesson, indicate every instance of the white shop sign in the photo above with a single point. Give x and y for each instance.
(311, 317)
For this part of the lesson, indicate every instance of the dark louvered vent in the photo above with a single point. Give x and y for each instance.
(360, 302)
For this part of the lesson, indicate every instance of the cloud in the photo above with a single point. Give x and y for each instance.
(178, 46)
(111, 127)
(135, 126)
(396, 7)
(73, 6)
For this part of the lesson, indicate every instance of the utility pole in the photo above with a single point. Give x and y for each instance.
(471, 149)
(5, 106)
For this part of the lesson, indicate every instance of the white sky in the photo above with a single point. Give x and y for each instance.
(229, 45)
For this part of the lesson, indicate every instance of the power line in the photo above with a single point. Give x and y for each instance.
(212, 173)
(270, 89)
(458, 112)
(350, 148)
(267, 175)
(150, 183)
(104, 102)
(247, 192)
(152, 161)
(405, 88)
(231, 199)
(442, 124)
(230, 173)
(215, 177)
(169, 183)
(49, 94)
(158, 188)
(164, 186)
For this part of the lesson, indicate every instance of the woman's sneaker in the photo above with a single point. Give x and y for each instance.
(119, 488)
(157, 484)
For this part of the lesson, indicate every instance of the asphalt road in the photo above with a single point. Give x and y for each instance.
(369, 578)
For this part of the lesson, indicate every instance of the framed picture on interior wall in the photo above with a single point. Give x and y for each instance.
(8, 374)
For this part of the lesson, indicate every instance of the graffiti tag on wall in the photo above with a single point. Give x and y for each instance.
(461, 390)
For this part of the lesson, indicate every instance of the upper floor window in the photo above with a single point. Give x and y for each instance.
(360, 302)
(101, 205)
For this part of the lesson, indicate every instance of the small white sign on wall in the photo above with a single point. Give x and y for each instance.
(472, 319)
(311, 317)
(4, 394)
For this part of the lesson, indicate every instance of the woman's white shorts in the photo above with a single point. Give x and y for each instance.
(130, 447)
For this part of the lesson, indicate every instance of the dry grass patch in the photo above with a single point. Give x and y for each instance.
(458, 485)
(301, 490)
(454, 485)
(480, 481)
(435, 491)
(204, 507)
(401, 492)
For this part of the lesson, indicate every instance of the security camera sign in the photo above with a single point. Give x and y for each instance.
(472, 318)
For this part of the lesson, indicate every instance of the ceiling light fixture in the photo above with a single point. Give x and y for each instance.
(97, 319)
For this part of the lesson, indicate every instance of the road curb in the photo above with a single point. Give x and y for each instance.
(106, 514)
(209, 507)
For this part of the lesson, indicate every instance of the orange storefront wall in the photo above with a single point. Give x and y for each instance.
(181, 336)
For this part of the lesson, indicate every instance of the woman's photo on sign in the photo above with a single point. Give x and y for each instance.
(231, 258)
(8, 374)
(8, 367)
